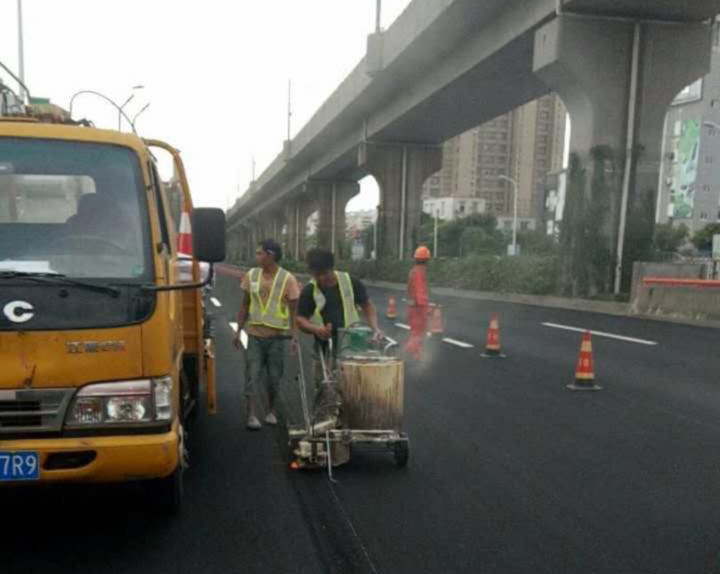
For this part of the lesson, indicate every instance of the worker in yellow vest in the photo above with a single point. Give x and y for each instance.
(332, 299)
(267, 313)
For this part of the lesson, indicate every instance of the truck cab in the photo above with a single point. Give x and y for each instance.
(103, 350)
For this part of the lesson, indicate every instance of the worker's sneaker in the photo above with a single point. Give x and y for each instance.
(253, 423)
(271, 419)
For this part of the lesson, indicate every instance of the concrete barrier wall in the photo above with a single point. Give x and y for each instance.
(681, 302)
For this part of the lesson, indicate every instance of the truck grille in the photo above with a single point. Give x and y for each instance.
(30, 410)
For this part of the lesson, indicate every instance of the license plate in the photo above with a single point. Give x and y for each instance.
(21, 465)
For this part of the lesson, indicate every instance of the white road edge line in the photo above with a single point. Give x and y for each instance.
(403, 326)
(461, 344)
(215, 302)
(243, 334)
(602, 334)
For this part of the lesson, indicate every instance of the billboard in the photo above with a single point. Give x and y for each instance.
(685, 151)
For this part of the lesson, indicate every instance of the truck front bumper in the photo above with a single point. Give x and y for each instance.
(102, 459)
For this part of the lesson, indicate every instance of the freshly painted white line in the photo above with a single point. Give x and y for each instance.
(602, 334)
(403, 326)
(461, 344)
(393, 341)
(215, 302)
(243, 334)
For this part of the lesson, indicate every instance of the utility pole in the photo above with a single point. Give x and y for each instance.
(515, 211)
(378, 13)
(375, 232)
(21, 52)
(289, 108)
(435, 235)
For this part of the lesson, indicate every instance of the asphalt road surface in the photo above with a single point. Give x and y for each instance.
(509, 471)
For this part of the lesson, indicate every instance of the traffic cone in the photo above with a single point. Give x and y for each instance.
(492, 346)
(184, 239)
(391, 309)
(585, 369)
(436, 321)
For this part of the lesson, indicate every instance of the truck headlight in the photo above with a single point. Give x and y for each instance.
(124, 402)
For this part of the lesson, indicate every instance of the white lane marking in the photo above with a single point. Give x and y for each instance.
(403, 326)
(243, 334)
(461, 344)
(215, 302)
(602, 334)
(392, 341)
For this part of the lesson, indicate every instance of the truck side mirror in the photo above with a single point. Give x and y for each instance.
(208, 233)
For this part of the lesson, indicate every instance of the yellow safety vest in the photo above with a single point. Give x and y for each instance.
(274, 313)
(348, 300)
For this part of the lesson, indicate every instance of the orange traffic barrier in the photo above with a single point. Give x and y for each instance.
(391, 312)
(492, 346)
(585, 369)
(437, 326)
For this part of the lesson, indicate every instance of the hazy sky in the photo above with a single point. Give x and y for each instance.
(215, 72)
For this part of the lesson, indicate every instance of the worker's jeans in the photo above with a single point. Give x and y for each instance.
(265, 354)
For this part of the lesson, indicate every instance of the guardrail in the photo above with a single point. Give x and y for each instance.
(677, 282)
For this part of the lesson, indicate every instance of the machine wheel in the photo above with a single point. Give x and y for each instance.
(167, 493)
(401, 451)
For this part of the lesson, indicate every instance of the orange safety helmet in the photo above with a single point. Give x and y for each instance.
(422, 253)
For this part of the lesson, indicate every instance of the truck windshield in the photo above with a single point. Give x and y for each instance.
(72, 208)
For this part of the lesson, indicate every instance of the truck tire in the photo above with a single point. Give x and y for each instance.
(401, 450)
(189, 398)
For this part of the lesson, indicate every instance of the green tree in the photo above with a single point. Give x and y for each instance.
(669, 238)
(703, 238)
(478, 240)
(536, 243)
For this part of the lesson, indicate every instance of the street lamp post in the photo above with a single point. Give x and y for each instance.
(137, 115)
(435, 234)
(21, 52)
(125, 103)
(515, 207)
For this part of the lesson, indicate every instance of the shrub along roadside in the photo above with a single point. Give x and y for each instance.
(531, 274)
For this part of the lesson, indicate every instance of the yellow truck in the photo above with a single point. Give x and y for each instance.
(103, 349)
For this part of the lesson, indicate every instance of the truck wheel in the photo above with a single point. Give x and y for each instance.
(189, 395)
(167, 493)
(402, 453)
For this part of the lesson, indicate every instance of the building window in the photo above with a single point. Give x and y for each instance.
(524, 225)
(703, 216)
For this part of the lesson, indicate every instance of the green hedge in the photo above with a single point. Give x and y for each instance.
(530, 274)
(535, 275)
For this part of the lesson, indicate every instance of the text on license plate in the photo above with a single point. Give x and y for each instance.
(20, 465)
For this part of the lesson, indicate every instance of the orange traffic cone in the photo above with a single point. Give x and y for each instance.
(492, 346)
(436, 321)
(184, 238)
(391, 312)
(585, 369)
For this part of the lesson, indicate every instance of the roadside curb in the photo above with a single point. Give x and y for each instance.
(553, 302)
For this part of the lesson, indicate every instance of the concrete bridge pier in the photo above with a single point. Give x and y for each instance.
(617, 78)
(332, 198)
(400, 170)
(297, 211)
